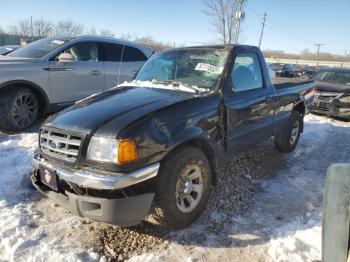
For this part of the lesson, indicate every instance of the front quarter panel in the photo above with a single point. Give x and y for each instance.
(25, 72)
(160, 132)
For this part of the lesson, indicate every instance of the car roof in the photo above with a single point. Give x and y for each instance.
(146, 50)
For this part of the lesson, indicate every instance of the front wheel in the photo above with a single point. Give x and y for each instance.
(19, 110)
(287, 138)
(183, 188)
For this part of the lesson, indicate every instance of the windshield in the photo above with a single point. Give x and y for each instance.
(342, 78)
(38, 48)
(199, 67)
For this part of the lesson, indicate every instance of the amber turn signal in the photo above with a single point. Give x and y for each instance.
(127, 151)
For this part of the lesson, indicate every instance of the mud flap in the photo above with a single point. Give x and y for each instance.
(336, 214)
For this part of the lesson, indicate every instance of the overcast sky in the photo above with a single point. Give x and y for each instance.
(291, 25)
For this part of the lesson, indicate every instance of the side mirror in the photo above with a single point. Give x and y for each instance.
(66, 57)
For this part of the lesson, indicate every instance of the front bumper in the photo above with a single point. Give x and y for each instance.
(124, 212)
(331, 108)
(106, 206)
(100, 179)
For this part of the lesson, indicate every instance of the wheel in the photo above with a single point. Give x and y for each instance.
(182, 189)
(18, 110)
(287, 138)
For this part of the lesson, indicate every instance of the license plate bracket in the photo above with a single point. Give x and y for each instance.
(48, 177)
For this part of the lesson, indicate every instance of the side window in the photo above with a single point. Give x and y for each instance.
(132, 54)
(246, 73)
(83, 52)
(111, 52)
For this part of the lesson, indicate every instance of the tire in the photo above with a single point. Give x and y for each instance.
(287, 138)
(18, 110)
(173, 194)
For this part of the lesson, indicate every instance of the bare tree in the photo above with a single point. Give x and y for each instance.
(222, 15)
(106, 32)
(68, 28)
(42, 27)
(24, 28)
(91, 31)
(150, 42)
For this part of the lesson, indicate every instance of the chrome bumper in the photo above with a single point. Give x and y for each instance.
(100, 179)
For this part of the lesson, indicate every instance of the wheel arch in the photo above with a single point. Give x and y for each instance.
(300, 107)
(43, 99)
(203, 145)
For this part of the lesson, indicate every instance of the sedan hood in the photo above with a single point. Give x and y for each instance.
(330, 87)
(121, 106)
(10, 59)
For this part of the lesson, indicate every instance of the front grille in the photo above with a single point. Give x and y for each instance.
(60, 145)
(325, 96)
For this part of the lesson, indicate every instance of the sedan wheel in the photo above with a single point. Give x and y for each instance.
(24, 110)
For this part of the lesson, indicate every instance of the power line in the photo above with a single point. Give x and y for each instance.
(275, 27)
(262, 29)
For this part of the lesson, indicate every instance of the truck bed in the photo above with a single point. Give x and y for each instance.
(282, 82)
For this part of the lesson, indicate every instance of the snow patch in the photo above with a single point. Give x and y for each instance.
(303, 245)
(25, 234)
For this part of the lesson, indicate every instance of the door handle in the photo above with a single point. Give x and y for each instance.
(57, 69)
(95, 72)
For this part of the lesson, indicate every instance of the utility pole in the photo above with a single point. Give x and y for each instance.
(318, 48)
(31, 27)
(262, 29)
(239, 16)
(318, 51)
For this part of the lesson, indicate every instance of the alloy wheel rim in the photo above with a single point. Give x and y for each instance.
(24, 111)
(294, 133)
(189, 188)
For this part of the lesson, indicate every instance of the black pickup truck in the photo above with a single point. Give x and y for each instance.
(160, 139)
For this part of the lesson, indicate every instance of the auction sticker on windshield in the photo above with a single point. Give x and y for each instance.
(209, 68)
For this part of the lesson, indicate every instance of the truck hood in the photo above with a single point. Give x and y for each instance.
(116, 108)
(330, 87)
(10, 59)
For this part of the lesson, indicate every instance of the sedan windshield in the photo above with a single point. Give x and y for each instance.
(38, 48)
(193, 67)
(342, 78)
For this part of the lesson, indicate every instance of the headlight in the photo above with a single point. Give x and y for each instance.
(112, 150)
(345, 99)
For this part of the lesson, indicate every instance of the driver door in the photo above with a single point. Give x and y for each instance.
(73, 80)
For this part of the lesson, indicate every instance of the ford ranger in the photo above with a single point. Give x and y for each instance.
(155, 144)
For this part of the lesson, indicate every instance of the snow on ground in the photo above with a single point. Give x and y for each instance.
(25, 233)
(283, 224)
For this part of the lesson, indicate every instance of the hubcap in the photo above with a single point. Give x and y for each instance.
(24, 111)
(189, 188)
(294, 133)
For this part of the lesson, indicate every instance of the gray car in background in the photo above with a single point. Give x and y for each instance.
(6, 49)
(52, 73)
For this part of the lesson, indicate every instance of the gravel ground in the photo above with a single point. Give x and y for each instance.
(232, 195)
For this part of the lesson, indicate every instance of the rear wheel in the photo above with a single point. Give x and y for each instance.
(287, 138)
(19, 110)
(183, 188)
